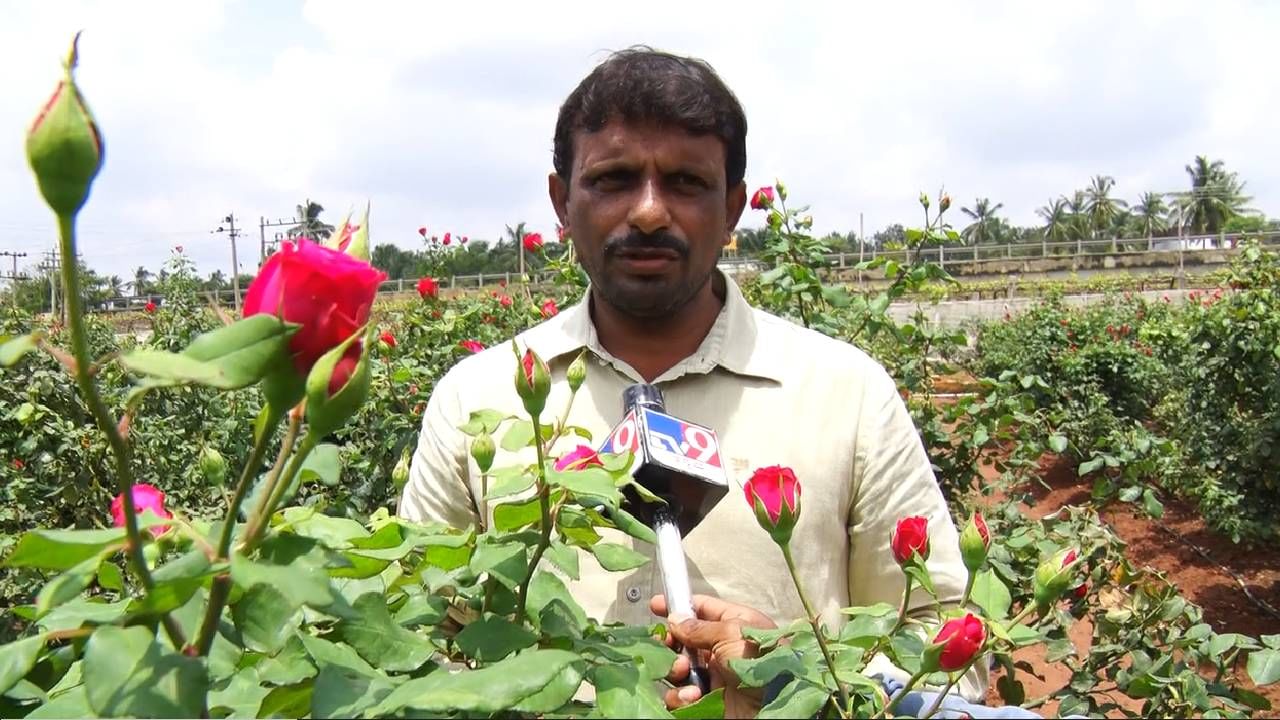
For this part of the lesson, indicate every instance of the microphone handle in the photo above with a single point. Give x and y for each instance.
(675, 584)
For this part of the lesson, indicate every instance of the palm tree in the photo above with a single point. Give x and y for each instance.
(217, 281)
(1057, 223)
(516, 235)
(983, 228)
(141, 280)
(309, 223)
(1150, 212)
(1215, 197)
(1102, 209)
(1079, 223)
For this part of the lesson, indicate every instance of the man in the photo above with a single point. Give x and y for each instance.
(649, 157)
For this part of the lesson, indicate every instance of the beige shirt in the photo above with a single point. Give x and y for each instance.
(775, 393)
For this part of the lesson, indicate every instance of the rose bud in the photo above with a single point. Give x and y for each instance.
(1053, 578)
(581, 457)
(774, 494)
(533, 382)
(448, 238)
(957, 643)
(505, 301)
(471, 346)
(145, 497)
(483, 450)
(975, 541)
(924, 201)
(944, 203)
(549, 308)
(762, 199)
(387, 338)
(400, 473)
(910, 539)
(149, 308)
(577, 372)
(533, 242)
(782, 190)
(64, 147)
(422, 231)
(428, 288)
(212, 466)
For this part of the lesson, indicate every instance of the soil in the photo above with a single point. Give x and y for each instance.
(1162, 545)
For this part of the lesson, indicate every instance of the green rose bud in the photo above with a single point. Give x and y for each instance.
(533, 382)
(400, 473)
(975, 540)
(577, 372)
(483, 449)
(782, 190)
(1053, 578)
(212, 466)
(64, 146)
(924, 201)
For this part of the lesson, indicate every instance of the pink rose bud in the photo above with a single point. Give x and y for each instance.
(762, 199)
(428, 288)
(957, 643)
(447, 238)
(910, 540)
(471, 346)
(774, 494)
(1053, 578)
(975, 541)
(583, 456)
(505, 301)
(64, 147)
(387, 338)
(533, 382)
(145, 497)
(422, 231)
(549, 308)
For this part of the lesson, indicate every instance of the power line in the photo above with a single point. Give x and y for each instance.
(230, 220)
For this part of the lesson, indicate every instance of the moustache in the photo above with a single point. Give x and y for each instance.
(636, 240)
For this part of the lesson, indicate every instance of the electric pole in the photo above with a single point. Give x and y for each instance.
(13, 277)
(231, 230)
(263, 224)
(52, 264)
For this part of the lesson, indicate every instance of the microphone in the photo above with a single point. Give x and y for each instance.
(679, 462)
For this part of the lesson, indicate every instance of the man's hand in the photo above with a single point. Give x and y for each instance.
(716, 634)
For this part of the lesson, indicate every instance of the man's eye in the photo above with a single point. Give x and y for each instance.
(611, 179)
(687, 181)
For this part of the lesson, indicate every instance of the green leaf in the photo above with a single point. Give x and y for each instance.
(617, 558)
(552, 697)
(290, 665)
(109, 576)
(175, 582)
(422, 609)
(128, 673)
(67, 585)
(991, 594)
(342, 693)
(1252, 699)
(487, 690)
(509, 481)
(17, 659)
(591, 482)
(324, 652)
(1264, 666)
(514, 516)
(519, 435)
(64, 549)
(484, 421)
(73, 703)
(1058, 443)
(14, 348)
(508, 562)
(323, 464)
(265, 618)
(1011, 690)
(1222, 643)
(549, 600)
(868, 625)
(1151, 504)
(229, 358)
(634, 645)
(382, 642)
(758, 672)
(493, 638)
(564, 557)
(241, 697)
(76, 613)
(301, 584)
(708, 707)
(799, 699)
(621, 691)
(629, 524)
(1090, 466)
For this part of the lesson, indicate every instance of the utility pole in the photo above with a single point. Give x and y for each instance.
(52, 263)
(13, 277)
(263, 224)
(230, 229)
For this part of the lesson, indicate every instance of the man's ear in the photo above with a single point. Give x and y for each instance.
(558, 190)
(735, 202)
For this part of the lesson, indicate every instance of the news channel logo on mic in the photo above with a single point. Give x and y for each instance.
(656, 438)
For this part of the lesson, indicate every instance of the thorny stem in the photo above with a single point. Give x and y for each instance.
(260, 516)
(119, 450)
(818, 633)
(544, 505)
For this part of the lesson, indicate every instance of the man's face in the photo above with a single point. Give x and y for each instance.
(648, 212)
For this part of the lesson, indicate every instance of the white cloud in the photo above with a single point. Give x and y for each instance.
(442, 113)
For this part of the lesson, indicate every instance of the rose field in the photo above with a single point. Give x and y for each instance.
(197, 507)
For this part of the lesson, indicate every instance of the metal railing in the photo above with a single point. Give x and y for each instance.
(1197, 247)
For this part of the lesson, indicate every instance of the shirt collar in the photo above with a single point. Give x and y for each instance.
(734, 342)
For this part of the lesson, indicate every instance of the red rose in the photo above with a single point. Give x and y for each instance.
(1082, 591)
(464, 239)
(447, 239)
(145, 497)
(326, 291)
(428, 287)
(178, 249)
(422, 231)
(533, 242)
(18, 464)
(910, 538)
(581, 457)
(471, 345)
(505, 300)
(150, 307)
(388, 338)
(961, 640)
(774, 494)
(762, 199)
(345, 368)
(549, 308)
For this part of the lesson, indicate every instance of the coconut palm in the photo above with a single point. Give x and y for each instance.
(984, 226)
(1057, 222)
(1215, 197)
(1151, 215)
(309, 223)
(141, 280)
(1101, 208)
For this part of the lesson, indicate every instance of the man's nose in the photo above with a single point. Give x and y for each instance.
(649, 213)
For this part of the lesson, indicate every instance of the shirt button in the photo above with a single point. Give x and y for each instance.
(633, 594)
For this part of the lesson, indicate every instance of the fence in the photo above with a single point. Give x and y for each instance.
(948, 257)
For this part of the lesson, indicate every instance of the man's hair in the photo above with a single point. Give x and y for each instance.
(641, 84)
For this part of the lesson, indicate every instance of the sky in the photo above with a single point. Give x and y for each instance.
(442, 114)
